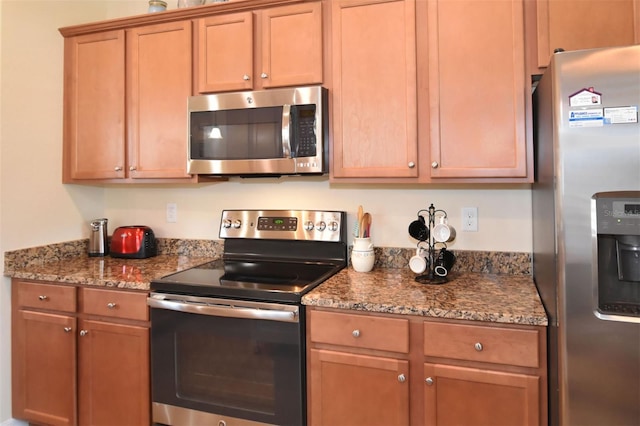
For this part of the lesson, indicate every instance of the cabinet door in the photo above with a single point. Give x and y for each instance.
(469, 396)
(94, 106)
(113, 374)
(477, 89)
(158, 85)
(224, 58)
(374, 94)
(585, 24)
(44, 368)
(351, 389)
(291, 45)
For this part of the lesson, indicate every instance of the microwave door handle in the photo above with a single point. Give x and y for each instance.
(286, 131)
(223, 311)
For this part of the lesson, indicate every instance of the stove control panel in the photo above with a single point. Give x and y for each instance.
(313, 225)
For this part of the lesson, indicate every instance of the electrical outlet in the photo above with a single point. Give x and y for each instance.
(470, 219)
(172, 212)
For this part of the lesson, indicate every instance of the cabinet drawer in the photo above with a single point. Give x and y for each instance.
(115, 303)
(47, 296)
(486, 344)
(360, 331)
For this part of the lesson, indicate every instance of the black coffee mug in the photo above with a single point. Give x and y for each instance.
(418, 229)
(445, 258)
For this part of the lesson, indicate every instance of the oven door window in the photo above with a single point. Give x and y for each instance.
(237, 134)
(243, 368)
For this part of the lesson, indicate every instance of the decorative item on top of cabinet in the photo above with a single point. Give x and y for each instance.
(125, 100)
(285, 51)
(586, 24)
(478, 91)
(374, 89)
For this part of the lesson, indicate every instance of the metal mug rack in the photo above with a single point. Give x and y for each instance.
(425, 235)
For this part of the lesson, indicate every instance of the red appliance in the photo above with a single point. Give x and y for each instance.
(133, 242)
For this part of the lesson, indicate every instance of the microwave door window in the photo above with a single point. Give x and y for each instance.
(239, 134)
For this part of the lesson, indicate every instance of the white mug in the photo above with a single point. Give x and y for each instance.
(443, 232)
(418, 263)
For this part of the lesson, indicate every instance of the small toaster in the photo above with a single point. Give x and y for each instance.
(133, 242)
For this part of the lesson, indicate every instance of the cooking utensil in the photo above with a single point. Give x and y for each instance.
(365, 225)
(356, 227)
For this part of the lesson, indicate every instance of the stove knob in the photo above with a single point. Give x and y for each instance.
(321, 226)
(333, 226)
(308, 226)
(237, 223)
(226, 223)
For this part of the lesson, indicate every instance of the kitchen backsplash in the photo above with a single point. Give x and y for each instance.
(386, 257)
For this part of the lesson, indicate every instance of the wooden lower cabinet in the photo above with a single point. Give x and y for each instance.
(470, 396)
(354, 389)
(79, 356)
(368, 369)
(113, 374)
(44, 367)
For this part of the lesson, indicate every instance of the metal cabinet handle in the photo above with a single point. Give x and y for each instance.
(67, 329)
(434, 165)
(43, 297)
(478, 346)
(246, 77)
(401, 378)
(118, 168)
(411, 164)
(132, 168)
(264, 75)
(111, 305)
(355, 333)
(84, 332)
(429, 381)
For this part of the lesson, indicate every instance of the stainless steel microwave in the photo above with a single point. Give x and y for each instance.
(259, 133)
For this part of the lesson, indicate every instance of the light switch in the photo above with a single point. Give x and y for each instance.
(172, 212)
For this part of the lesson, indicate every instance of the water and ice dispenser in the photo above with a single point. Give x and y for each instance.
(617, 289)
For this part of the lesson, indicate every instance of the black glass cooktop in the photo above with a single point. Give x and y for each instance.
(254, 280)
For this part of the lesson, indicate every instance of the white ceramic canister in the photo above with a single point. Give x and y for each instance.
(362, 255)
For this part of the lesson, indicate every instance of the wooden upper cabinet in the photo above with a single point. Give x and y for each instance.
(159, 83)
(291, 45)
(374, 89)
(225, 52)
(286, 49)
(125, 104)
(585, 24)
(477, 90)
(94, 106)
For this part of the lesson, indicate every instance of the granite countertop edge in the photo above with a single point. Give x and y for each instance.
(478, 296)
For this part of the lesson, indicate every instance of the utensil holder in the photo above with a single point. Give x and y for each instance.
(362, 255)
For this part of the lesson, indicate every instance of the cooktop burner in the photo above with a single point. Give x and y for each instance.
(273, 281)
(269, 255)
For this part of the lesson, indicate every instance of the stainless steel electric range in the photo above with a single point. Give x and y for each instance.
(228, 337)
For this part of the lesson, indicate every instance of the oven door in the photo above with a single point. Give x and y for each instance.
(216, 360)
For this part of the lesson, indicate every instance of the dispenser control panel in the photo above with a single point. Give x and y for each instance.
(617, 213)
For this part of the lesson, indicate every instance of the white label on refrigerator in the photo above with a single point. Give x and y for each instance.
(620, 115)
(586, 118)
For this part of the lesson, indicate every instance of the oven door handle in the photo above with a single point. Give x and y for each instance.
(229, 311)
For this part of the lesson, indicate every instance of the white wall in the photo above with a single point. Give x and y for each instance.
(36, 209)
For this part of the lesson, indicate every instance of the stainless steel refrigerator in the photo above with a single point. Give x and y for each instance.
(586, 233)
